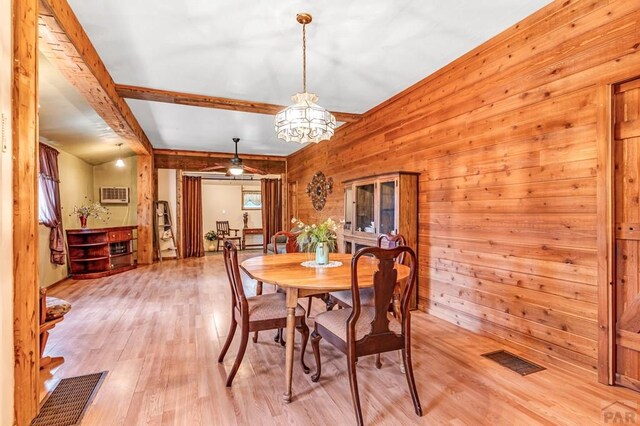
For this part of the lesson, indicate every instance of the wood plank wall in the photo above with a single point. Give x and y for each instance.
(507, 140)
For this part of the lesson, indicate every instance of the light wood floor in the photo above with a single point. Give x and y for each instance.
(157, 330)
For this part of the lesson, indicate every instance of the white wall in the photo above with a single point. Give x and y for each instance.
(222, 200)
(6, 234)
(107, 174)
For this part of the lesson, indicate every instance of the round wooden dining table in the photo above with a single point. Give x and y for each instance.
(286, 271)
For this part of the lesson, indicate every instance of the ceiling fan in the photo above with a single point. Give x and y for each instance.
(235, 166)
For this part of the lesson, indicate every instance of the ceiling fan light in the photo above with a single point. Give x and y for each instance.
(236, 170)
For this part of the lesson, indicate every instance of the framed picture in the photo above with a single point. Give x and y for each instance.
(251, 200)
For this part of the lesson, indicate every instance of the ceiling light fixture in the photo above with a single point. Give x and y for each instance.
(236, 168)
(304, 121)
(119, 161)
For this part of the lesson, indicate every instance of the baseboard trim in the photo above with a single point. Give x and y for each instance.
(57, 283)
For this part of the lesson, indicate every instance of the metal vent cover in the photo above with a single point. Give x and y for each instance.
(514, 362)
(69, 400)
(114, 195)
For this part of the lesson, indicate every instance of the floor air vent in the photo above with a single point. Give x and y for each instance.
(68, 401)
(514, 362)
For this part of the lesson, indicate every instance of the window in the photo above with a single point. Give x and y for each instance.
(44, 214)
(251, 200)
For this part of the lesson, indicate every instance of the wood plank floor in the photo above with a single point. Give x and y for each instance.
(157, 330)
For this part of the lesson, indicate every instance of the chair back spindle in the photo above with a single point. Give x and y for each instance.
(222, 228)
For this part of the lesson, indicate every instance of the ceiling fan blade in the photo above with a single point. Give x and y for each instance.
(254, 171)
(214, 167)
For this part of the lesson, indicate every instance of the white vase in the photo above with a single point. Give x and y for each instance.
(322, 253)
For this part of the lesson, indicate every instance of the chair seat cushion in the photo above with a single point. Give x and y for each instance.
(280, 239)
(270, 306)
(56, 308)
(336, 322)
(346, 297)
(282, 248)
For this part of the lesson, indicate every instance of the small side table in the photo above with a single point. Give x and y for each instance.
(250, 231)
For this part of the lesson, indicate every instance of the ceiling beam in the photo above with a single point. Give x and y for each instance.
(64, 42)
(179, 98)
(195, 161)
(217, 155)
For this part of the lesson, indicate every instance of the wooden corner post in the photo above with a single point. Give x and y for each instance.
(24, 105)
(145, 209)
(606, 325)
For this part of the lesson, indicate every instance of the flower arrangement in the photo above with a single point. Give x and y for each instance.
(311, 235)
(211, 236)
(90, 209)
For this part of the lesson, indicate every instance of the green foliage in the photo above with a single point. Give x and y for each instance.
(311, 235)
(211, 236)
(90, 209)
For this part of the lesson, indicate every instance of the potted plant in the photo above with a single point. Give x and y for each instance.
(211, 236)
(319, 238)
(90, 209)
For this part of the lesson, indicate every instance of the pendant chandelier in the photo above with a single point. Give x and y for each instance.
(235, 167)
(304, 121)
(119, 161)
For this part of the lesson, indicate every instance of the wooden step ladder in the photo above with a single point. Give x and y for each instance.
(164, 240)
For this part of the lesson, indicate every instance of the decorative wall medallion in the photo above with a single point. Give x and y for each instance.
(318, 189)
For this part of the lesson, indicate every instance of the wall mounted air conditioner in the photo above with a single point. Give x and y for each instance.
(114, 195)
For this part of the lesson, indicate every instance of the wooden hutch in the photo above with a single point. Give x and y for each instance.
(380, 204)
(95, 253)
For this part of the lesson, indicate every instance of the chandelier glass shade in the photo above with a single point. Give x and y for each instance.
(304, 121)
(119, 161)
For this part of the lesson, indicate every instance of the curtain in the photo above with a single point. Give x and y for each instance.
(192, 236)
(271, 209)
(50, 212)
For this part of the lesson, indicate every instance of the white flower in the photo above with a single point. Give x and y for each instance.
(294, 220)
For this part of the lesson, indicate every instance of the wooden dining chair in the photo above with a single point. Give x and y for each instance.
(344, 299)
(52, 312)
(256, 313)
(290, 246)
(224, 233)
(290, 242)
(368, 329)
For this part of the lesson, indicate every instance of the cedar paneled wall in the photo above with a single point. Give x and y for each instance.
(506, 141)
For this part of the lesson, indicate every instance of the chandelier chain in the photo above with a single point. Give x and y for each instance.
(304, 58)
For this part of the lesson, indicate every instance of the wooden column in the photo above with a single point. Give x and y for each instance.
(179, 213)
(145, 209)
(606, 324)
(25, 208)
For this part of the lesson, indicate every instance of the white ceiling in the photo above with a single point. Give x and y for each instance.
(360, 53)
(68, 122)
